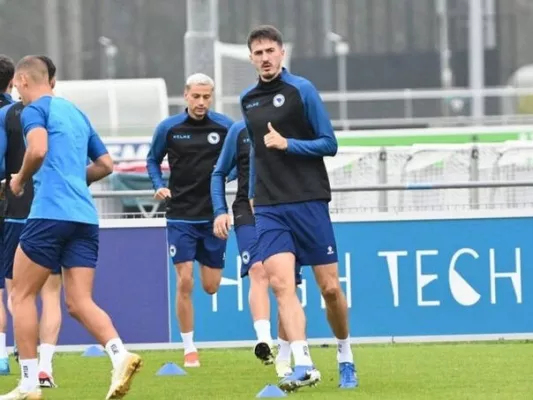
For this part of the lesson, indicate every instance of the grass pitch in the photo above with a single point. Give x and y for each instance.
(468, 371)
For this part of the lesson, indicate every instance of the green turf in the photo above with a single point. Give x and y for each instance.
(399, 372)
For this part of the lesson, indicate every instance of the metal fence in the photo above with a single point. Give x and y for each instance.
(400, 179)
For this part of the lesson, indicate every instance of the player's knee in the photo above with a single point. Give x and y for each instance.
(281, 287)
(185, 285)
(211, 287)
(331, 290)
(76, 306)
(258, 274)
(19, 294)
(73, 307)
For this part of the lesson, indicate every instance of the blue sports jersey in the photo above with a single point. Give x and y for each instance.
(61, 191)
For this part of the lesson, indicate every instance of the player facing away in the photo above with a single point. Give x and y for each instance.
(192, 140)
(7, 71)
(235, 154)
(62, 227)
(17, 209)
(290, 134)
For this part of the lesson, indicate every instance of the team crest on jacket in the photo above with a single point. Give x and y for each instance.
(278, 100)
(213, 138)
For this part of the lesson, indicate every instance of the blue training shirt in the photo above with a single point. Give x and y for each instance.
(61, 191)
(292, 105)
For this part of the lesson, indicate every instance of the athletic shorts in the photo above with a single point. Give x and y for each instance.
(54, 244)
(247, 244)
(304, 229)
(190, 241)
(12, 231)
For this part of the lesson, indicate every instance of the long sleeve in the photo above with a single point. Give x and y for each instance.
(326, 143)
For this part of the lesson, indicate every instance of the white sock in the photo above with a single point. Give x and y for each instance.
(302, 356)
(29, 375)
(3, 348)
(46, 353)
(188, 344)
(344, 350)
(262, 330)
(116, 351)
(284, 351)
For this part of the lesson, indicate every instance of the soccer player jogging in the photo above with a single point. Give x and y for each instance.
(235, 153)
(290, 134)
(192, 140)
(7, 71)
(62, 227)
(17, 209)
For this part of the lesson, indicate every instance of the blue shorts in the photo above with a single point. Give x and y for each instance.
(54, 244)
(247, 244)
(12, 231)
(188, 241)
(304, 229)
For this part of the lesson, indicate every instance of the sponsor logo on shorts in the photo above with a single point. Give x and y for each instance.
(245, 257)
(172, 250)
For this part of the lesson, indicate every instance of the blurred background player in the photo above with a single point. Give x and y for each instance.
(290, 133)
(17, 209)
(62, 228)
(7, 71)
(193, 140)
(235, 154)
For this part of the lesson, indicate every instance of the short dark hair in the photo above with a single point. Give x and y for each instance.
(50, 66)
(7, 72)
(267, 32)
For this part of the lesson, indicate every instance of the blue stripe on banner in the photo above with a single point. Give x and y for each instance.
(15, 221)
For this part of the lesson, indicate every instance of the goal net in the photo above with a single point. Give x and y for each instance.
(234, 72)
(426, 164)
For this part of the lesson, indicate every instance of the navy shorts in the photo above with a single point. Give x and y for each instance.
(188, 241)
(54, 244)
(304, 229)
(12, 231)
(247, 244)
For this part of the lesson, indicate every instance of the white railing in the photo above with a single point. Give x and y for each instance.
(408, 106)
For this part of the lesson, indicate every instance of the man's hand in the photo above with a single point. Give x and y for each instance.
(162, 194)
(221, 226)
(273, 140)
(252, 205)
(16, 186)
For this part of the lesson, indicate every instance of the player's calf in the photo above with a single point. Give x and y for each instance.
(184, 310)
(337, 313)
(260, 310)
(4, 357)
(50, 325)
